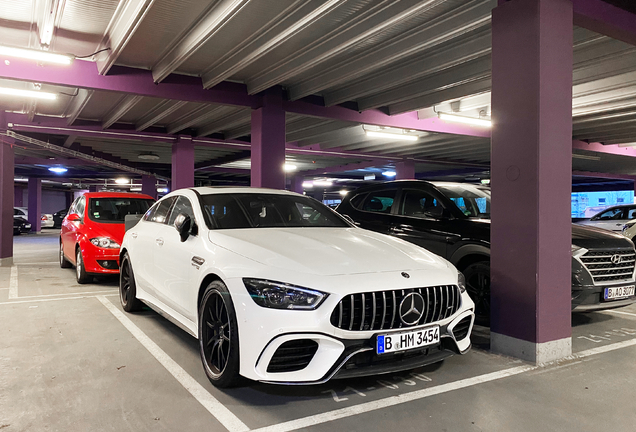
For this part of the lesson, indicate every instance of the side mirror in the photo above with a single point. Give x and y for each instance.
(73, 217)
(183, 223)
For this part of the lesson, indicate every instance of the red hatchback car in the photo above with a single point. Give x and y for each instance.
(93, 230)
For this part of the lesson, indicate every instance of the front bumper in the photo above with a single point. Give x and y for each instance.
(100, 260)
(339, 353)
(590, 298)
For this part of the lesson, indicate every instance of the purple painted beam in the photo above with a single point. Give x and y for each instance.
(530, 288)
(405, 170)
(603, 175)
(52, 162)
(606, 19)
(35, 203)
(149, 185)
(268, 142)
(408, 120)
(601, 148)
(83, 74)
(183, 163)
(6, 198)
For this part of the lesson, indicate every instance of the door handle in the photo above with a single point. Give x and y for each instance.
(159, 241)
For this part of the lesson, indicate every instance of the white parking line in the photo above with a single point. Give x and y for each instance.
(13, 283)
(424, 393)
(217, 409)
(72, 294)
(39, 263)
(620, 312)
(54, 299)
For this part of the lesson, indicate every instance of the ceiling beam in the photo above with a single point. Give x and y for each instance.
(68, 142)
(232, 120)
(603, 18)
(120, 30)
(120, 109)
(222, 160)
(603, 175)
(77, 104)
(158, 113)
(214, 19)
(461, 20)
(132, 81)
(600, 148)
(196, 116)
(346, 167)
(364, 25)
(289, 23)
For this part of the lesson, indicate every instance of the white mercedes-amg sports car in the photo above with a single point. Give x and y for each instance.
(279, 288)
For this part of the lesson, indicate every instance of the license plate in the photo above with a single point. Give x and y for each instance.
(619, 292)
(407, 340)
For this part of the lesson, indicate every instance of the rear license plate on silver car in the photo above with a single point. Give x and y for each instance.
(407, 340)
(618, 292)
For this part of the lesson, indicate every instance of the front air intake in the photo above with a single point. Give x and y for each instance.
(293, 356)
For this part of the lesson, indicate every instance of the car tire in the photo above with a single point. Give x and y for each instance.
(80, 271)
(64, 263)
(218, 336)
(128, 287)
(478, 288)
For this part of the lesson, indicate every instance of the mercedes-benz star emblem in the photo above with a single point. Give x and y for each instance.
(406, 275)
(616, 259)
(411, 308)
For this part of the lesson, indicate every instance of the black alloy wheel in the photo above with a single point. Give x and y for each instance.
(80, 271)
(478, 288)
(218, 336)
(127, 286)
(64, 263)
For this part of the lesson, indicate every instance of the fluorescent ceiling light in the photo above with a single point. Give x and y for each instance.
(344, 192)
(308, 184)
(43, 56)
(463, 119)
(162, 190)
(389, 173)
(135, 189)
(290, 167)
(586, 157)
(325, 183)
(369, 177)
(27, 93)
(122, 181)
(58, 170)
(485, 181)
(396, 136)
(148, 156)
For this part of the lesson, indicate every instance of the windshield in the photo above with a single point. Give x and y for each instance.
(233, 211)
(473, 201)
(113, 210)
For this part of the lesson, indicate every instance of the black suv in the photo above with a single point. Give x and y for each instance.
(453, 221)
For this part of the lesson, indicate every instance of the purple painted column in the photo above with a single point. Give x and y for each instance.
(297, 184)
(531, 179)
(69, 199)
(182, 163)
(18, 196)
(268, 142)
(6, 199)
(35, 204)
(149, 185)
(405, 170)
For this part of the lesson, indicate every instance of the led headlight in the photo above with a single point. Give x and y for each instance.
(278, 295)
(105, 242)
(461, 281)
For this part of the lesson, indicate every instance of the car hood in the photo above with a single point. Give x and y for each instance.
(326, 251)
(589, 237)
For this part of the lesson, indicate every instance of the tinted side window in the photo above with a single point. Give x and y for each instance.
(631, 214)
(159, 212)
(419, 203)
(357, 200)
(183, 205)
(379, 202)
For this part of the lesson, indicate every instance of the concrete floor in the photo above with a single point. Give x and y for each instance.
(70, 360)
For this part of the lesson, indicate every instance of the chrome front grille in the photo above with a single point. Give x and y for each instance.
(604, 266)
(380, 310)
